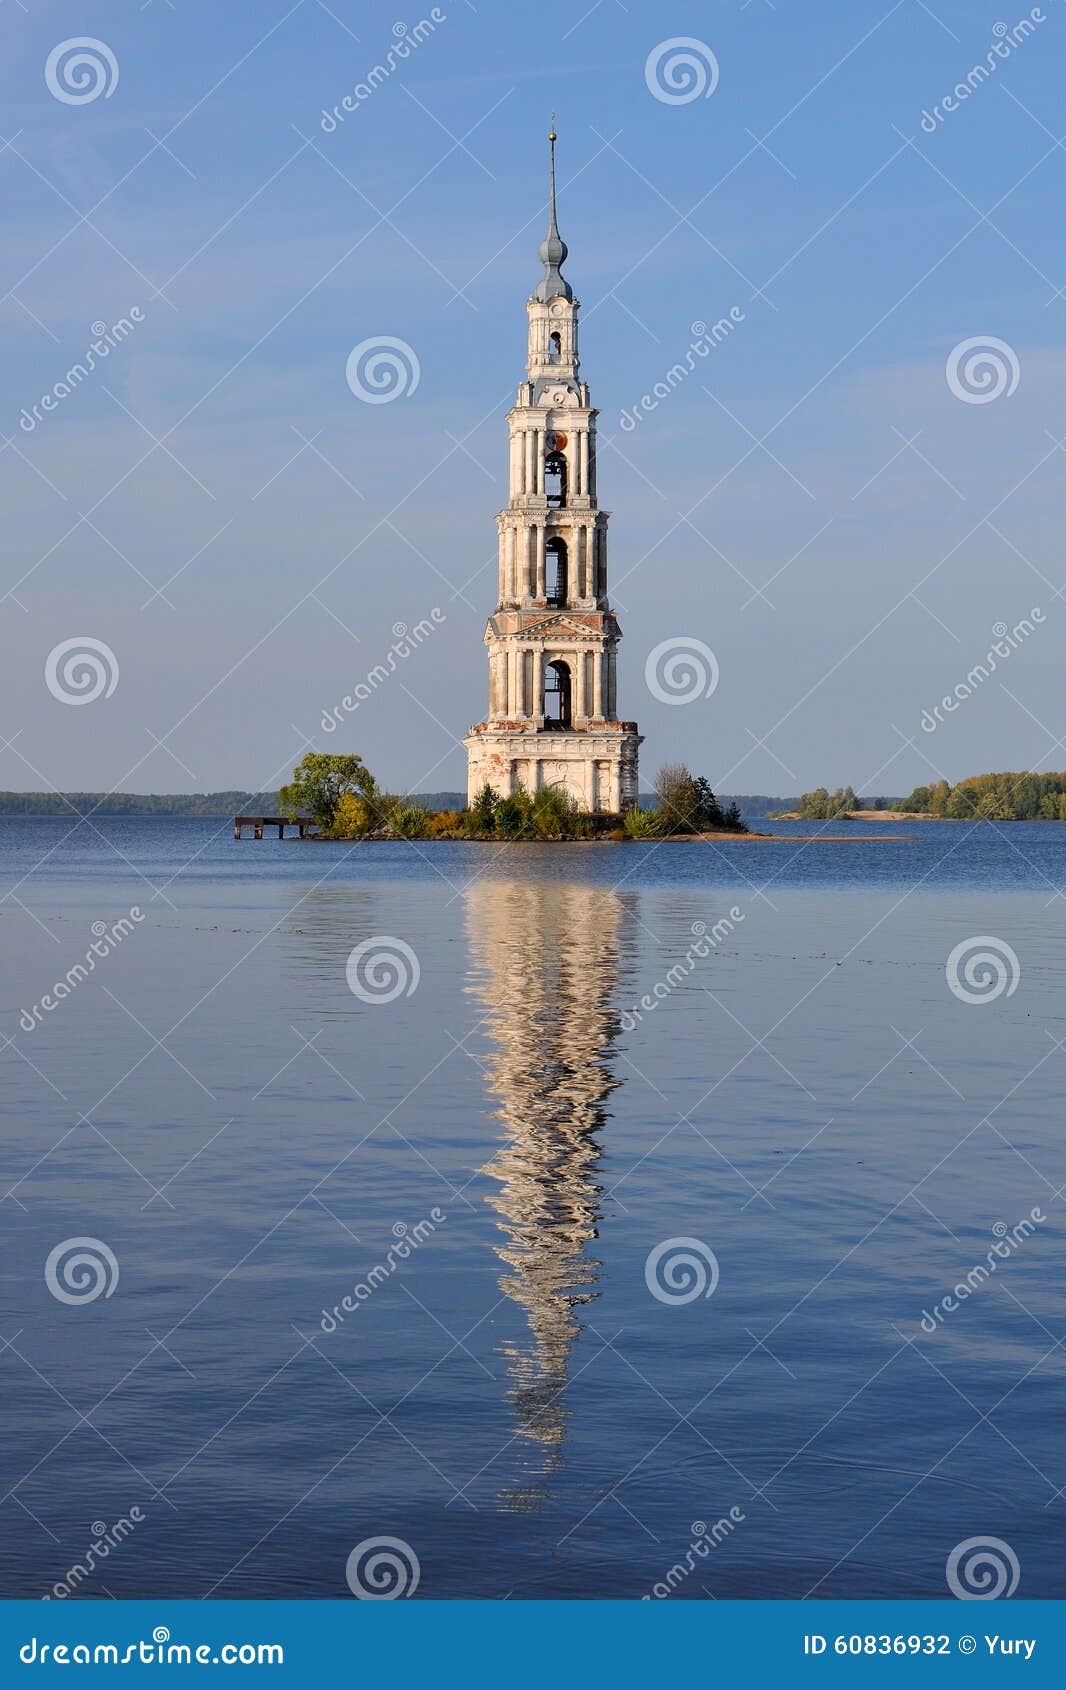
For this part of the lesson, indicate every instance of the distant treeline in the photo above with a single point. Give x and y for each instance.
(138, 803)
(996, 798)
(248, 803)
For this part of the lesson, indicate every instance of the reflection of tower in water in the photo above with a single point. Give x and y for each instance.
(544, 966)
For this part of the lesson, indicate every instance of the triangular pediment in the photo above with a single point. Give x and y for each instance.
(559, 622)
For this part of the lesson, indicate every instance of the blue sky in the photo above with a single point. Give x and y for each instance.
(814, 503)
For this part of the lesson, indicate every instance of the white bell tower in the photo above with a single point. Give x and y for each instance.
(553, 639)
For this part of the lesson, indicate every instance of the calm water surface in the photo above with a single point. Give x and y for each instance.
(249, 1137)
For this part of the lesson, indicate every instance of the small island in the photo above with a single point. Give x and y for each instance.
(1008, 797)
(340, 794)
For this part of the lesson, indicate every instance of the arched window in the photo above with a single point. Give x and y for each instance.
(557, 694)
(555, 348)
(555, 573)
(555, 478)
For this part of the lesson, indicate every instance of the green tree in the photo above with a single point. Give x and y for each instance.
(678, 797)
(708, 809)
(483, 810)
(509, 818)
(319, 782)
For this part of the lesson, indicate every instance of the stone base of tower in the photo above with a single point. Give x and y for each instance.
(596, 766)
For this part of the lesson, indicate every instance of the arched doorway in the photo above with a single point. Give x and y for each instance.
(557, 695)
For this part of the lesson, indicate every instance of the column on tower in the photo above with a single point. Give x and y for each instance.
(583, 462)
(541, 544)
(597, 683)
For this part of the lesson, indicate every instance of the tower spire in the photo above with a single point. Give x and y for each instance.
(553, 249)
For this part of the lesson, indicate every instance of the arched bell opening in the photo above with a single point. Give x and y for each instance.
(555, 478)
(556, 570)
(557, 695)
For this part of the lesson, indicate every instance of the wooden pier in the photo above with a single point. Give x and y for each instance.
(258, 823)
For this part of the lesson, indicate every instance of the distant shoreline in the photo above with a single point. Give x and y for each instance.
(224, 805)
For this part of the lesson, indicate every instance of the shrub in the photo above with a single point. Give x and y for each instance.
(641, 824)
(554, 813)
(443, 824)
(352, 818)
(409, 821)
